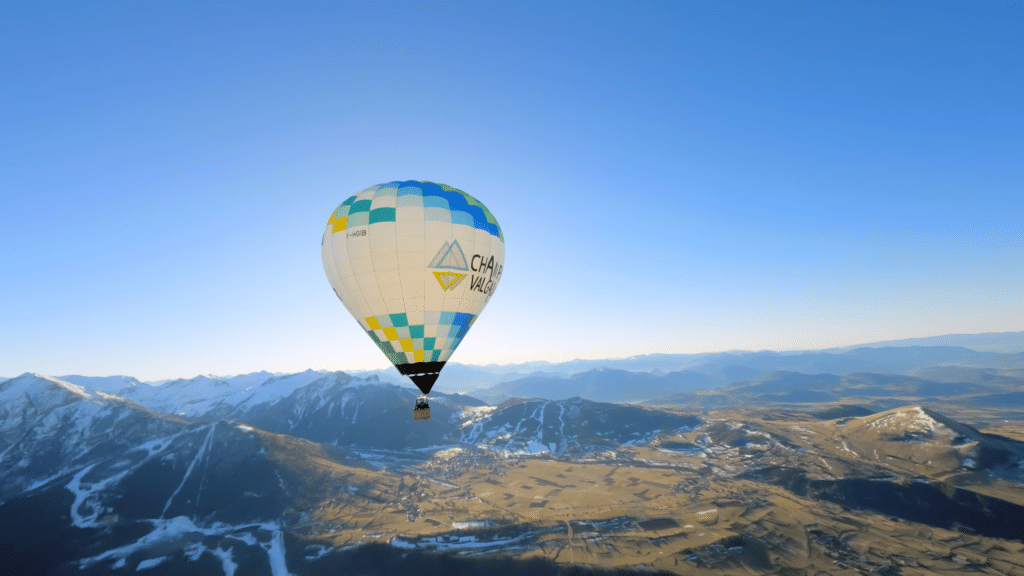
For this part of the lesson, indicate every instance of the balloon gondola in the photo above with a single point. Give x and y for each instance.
(415, 263)
(421, 411)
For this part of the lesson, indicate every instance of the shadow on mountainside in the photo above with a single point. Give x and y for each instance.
(383, 560)
(936, 504)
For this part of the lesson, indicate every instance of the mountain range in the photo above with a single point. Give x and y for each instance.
(600, 471)
(993, 350)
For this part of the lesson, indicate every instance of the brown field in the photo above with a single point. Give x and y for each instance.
(681, 512)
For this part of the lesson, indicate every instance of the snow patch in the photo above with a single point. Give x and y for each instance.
(316, 552)
(473, 524)
(83, 495)
(151, 563)
(453, 542)
(442, 483)
(913, 420)
(472, 415)
(182, 527)
(531, 447)
(199, 455)
(275, 552)
(226, 561)
(164, 531)
(447, 454)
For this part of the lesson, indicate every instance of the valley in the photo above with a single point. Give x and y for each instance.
(326, 473)
(788, 503)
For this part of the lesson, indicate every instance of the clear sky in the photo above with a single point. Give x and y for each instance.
(669, 176)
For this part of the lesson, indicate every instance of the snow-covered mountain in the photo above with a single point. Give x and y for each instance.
(219, 475)
(123, 386)
(56, 418)
(340, 410)
(919, 436)
(658, 377)
(31, 396)
(111, 485)
(49, 426)
(333, 408)
(212, 396)
(199, 498)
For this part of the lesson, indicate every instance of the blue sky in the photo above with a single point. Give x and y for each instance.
(670, 177)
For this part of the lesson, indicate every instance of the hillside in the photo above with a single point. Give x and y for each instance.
(95, 484)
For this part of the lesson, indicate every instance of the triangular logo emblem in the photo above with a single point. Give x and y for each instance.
(448, 280)
(450, 256)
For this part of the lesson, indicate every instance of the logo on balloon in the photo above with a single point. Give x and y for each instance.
(449, 258)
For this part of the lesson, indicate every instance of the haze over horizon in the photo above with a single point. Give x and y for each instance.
(669, 178)
(1004, 342)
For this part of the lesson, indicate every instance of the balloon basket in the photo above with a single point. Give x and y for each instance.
(422, 410)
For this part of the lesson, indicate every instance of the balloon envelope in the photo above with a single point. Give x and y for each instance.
(415, 263)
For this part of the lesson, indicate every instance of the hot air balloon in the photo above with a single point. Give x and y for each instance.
(415, 263)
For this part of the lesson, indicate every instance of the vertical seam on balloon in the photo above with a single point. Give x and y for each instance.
(333, 269)
(426, 272)
(355, 279)
(394, 238)
(373, 264)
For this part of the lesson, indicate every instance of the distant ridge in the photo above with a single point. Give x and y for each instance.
(1006, 342)
(740, 362)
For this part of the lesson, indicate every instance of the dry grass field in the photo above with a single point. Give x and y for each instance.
(699, 502)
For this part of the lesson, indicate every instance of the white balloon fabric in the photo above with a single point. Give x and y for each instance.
(415, 263)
